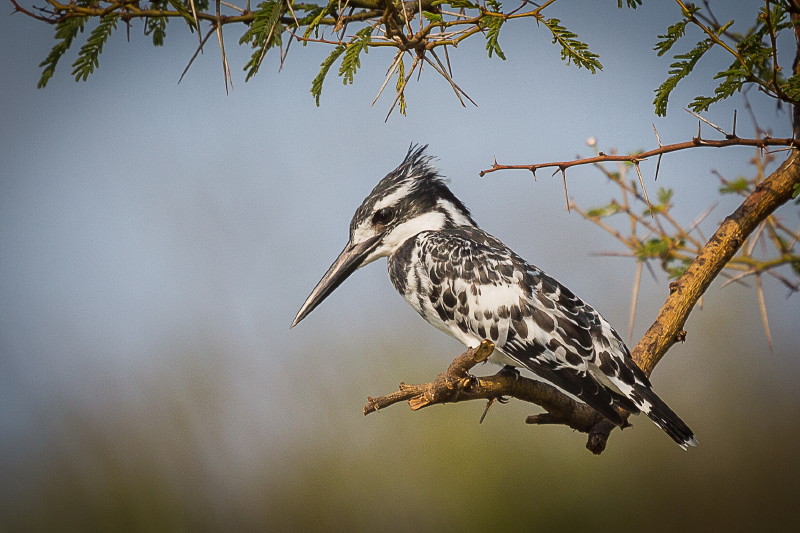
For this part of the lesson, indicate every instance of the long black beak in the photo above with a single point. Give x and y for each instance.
(348, 262)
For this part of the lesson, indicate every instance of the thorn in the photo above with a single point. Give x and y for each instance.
(762, 305)
(566, 193)
(644, 191)
(634, 300)
(727, 135)
(658, 137)
(658, 166)
(660, 145)
(489, 405)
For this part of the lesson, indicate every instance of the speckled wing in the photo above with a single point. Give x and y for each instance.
(479, 288)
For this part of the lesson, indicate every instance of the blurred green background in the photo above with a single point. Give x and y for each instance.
(157, 240)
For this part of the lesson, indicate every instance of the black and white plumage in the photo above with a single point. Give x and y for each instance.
(468, 284)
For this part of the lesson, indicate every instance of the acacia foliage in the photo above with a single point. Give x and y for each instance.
(426, 31)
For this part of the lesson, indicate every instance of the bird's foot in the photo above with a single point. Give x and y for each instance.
(468, 382)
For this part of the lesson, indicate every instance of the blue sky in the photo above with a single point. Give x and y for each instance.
(149, 227)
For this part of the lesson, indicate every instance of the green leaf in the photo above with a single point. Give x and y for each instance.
(318, 16)
(664, 196)
(679, 70)
(674, 272)
(435, 18)
(657, 247)
(319, 79)
(493, 25)
(352, 56)
(264, 33)
(157, 26)
(792, 88)
(185, 12)
(400, 86)
(633, 4)
(89, 55)
(66, 30)
(732, 81)
(674, 32)
(572, 49)
(605, 211)
(739, 185)
(466, 4)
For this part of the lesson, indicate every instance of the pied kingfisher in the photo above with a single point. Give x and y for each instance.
(471, 286)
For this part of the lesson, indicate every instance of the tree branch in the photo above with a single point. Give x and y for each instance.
(697, 142)
(770, 194)
(456, 385)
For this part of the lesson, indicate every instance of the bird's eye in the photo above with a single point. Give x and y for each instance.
(383, 216)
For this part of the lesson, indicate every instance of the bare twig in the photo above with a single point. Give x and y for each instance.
(762, 307)
(637, 282)
(665, 149)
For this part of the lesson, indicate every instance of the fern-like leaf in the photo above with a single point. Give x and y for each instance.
(157, 26)
(678, 70)
(89, 55)
(435, 18)
(572, 49)
(465, 4)
(66, 31)
(792, 88)
(319, 79)
(666, 41)
(400, 87)
(493, 25)
(319, 14)
(264, 33)
(179, 6)
(352, 56)
(732, 81)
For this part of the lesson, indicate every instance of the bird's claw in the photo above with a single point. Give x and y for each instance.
(469, 382)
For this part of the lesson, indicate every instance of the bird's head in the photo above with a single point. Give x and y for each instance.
(411, 199)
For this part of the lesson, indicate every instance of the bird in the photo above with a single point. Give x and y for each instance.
(468, 284)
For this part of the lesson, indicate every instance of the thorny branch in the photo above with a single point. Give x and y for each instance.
(415, 28)
(696, 142)
(654, 235)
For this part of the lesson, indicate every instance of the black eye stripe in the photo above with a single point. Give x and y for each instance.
(383, 216)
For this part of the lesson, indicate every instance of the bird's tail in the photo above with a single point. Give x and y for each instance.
(665, 418)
